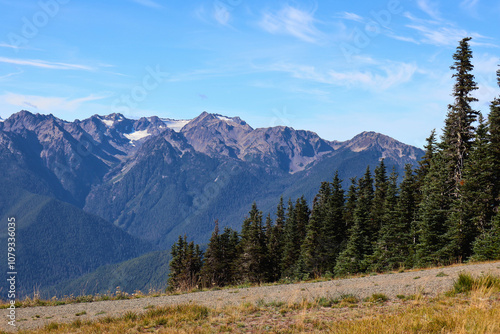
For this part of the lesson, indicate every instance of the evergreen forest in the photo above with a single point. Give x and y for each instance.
(442, 212)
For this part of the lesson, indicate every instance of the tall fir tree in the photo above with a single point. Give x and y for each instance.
(494, 132)
(185, 266)
(350, 260)
(230, 241)
(407, 207)
(363, 212)
(275, 242)
(458, 143)
(253, 251)
(394, 246)
(353, 258)
(472, 212)
(313, 246)
(295, 232)
(213, 260)
(431, 148)
(302, 214)
(379, 200)
(441, 231)
(432, 215)
(178, 253)
(334, 228)
(290, 240)
(487, 245)
(269, 265)
(459, 130)
(350, 206)
(219, 258)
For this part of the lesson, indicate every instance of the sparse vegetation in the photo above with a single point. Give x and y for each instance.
(465, 283)
(476, 311)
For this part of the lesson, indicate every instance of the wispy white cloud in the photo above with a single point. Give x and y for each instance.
(9, 46)
(393, 75)
(419, 20)
(148, 3)
(403, 38)
(430, 8)
(486, 64)
(45, 64)
(47, 104)
(292, 21)
(17, 47)
(5, 76)
(381, 78)
(485, 67)
(350, 16)
(448, 36)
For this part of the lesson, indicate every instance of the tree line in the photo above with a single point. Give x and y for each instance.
(444, 211)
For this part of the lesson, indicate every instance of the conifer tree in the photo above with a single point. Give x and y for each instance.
(253, 252)
(352, 258)
(295, 233)
(185, 266)
(363, 212)
(487, 245)
(407, 208)
(494, 133)
(270, 259)
(432, 215)
(459, 131)
(379, 200)
(176, 265)
(335, 227)
(441, 232)
(230, 241)
(350, 206)
(302, 214)
(213, 260)
(290, 241)
(220, 256)
(312, 248)
(471, 213)
(275, 243)
(393, 248)
(431, 148)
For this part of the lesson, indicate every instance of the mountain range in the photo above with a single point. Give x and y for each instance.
(107, 189)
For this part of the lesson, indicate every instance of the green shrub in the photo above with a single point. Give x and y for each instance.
(463, 283)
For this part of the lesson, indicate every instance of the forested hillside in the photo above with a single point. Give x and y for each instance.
(444, 211)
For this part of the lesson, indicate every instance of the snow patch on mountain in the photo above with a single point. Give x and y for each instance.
(175, 124)
(108, 122)
(225, 118)
(137, 135)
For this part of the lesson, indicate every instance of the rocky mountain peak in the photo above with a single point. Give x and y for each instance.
(389, 146)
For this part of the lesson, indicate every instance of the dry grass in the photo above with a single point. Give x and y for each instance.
(474, 311)
(35, 300)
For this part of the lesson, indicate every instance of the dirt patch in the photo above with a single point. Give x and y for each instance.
(426, 282)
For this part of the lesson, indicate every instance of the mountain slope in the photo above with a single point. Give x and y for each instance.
(156, 179)
(56, 241)
(146, 272)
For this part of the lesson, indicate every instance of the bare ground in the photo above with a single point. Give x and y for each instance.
(428, 282)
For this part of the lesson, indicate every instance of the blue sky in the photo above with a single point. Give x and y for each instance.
(334, 67)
